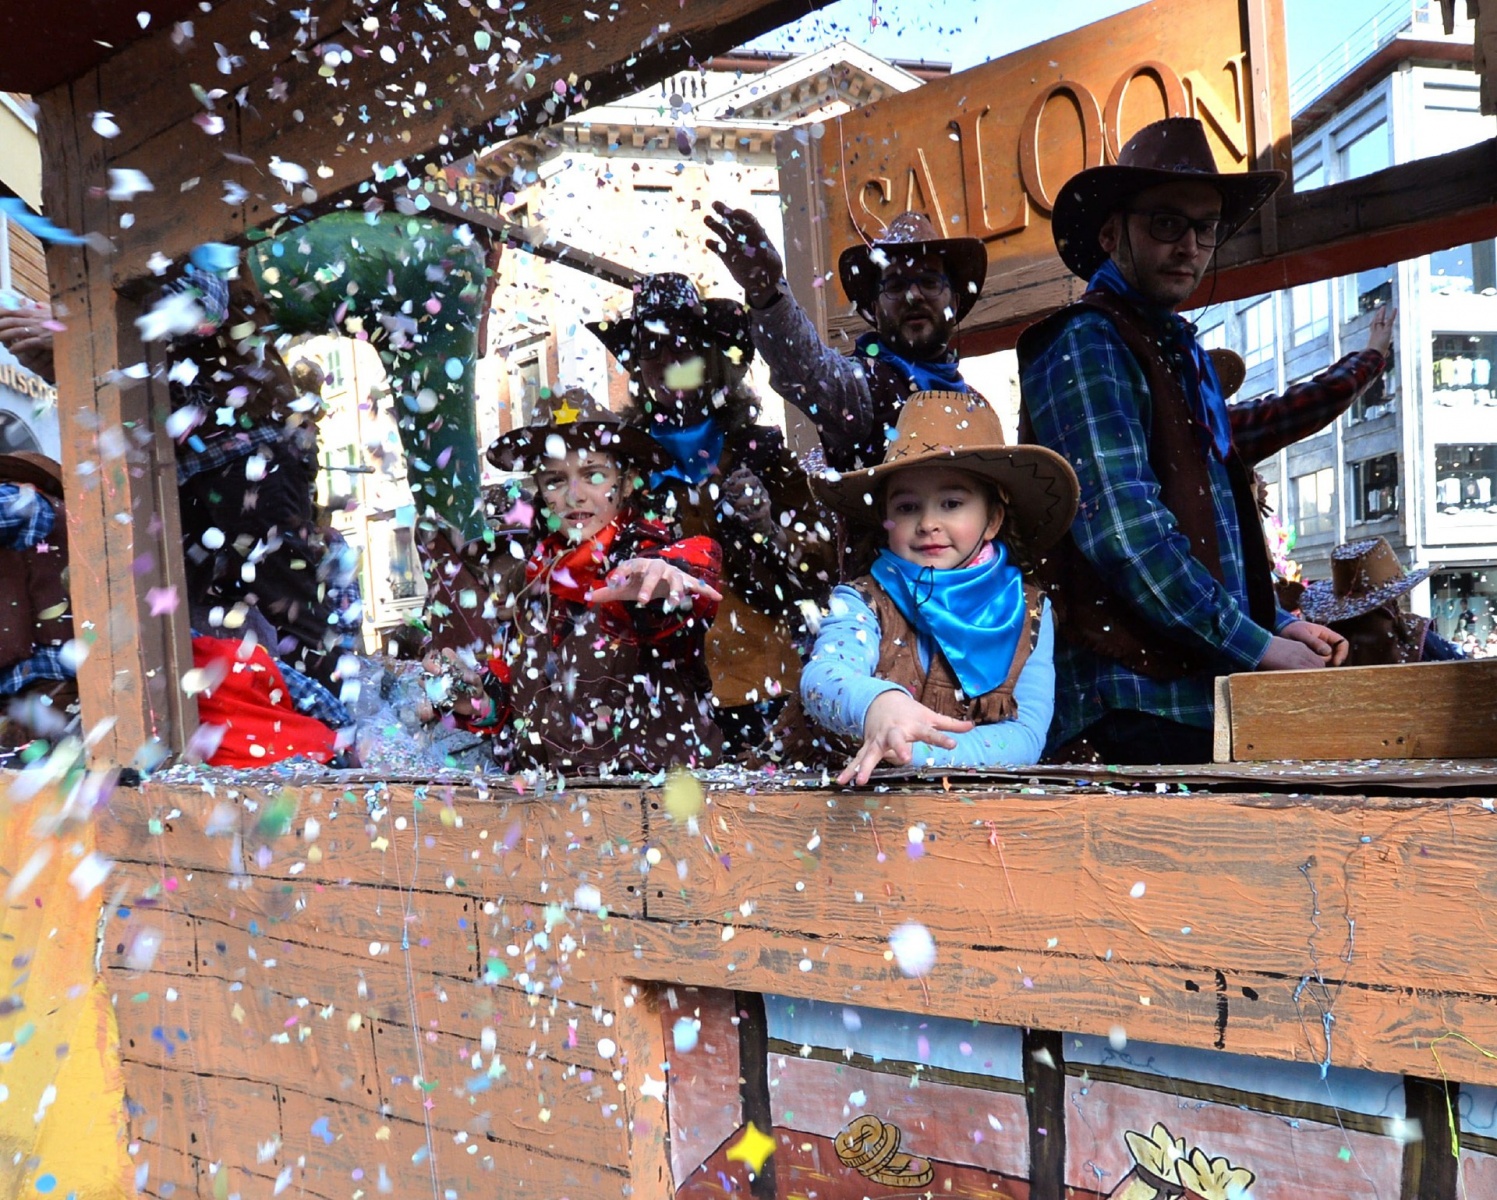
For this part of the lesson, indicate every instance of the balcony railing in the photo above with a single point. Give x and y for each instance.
(1396, 17)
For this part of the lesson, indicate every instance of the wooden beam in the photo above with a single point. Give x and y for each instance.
(1425, 710)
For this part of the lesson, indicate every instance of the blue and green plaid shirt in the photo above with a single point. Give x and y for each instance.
(1087, 399)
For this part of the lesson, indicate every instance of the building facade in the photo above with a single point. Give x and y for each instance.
(1415, 460)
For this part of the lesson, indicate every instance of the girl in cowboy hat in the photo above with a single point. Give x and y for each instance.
(603, 650)
(943, 655)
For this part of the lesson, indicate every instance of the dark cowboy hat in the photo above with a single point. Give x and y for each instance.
(911, 233)
(961, 430)
(672, 296)
(27, 466)
(1364, 575)
(1167, 151)
(570, 420)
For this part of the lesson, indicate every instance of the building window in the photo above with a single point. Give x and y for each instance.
(1462, 368)
(526, 383)
(1310, 310)
(1366, 153)
(1465, 478)
(1309, 177)
(1464, 270)
(405, 567)
(1214, 338)
(1257, 333)
(1271, 496)
(1315, 502)
(1376, 399)
(656, 228)
(1374, 488)
(336, 379)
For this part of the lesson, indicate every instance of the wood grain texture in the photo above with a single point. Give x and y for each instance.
(1427, 710)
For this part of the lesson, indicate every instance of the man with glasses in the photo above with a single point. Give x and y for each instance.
(1164, 580)
(912, 285)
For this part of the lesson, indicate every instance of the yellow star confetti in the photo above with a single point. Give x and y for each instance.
(566, 414)
(752, 1148)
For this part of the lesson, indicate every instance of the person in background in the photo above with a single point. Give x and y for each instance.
(728, 477)
(943, 654)
(911, 284)
(37, 684)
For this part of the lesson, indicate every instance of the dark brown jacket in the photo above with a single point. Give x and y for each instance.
(34, 606)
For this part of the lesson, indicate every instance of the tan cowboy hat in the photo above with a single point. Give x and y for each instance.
(27, 466)
(1167, 151)
(569, 420)
(861, 267)
(1231, 370)
(1364, 575)
(961, 430)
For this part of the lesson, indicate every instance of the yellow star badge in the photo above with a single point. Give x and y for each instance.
(566, 414)
(752, 1148)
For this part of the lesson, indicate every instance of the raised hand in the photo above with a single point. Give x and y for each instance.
(746, 251)
(645, 580)
(27, 333)
(1380, 330)
(746, 499)
(894, 723)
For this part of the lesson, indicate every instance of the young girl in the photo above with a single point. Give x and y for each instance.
(942, 655)
(604, 649)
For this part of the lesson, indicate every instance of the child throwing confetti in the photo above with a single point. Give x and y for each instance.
(943, 655)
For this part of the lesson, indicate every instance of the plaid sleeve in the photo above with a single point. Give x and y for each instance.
(45, 664)
(1087, 400)
(26, 517)
(311, 698)
(1264, 426)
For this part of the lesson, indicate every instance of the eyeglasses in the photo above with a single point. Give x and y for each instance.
(931, 283)
(1171, 227)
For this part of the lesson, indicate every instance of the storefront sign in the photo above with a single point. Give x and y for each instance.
(18, 379)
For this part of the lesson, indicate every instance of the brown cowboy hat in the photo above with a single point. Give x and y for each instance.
(861, 267)
(1231, 370)
(1364, 575)
(27, 466)
(961, 430)
(1167, 151)
(672, 296)
(569, 420)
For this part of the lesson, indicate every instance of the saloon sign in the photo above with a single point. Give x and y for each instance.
(983, 152)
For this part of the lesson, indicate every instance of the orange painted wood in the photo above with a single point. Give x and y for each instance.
(1425, 710)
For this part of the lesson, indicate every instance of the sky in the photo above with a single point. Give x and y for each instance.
(967, 32)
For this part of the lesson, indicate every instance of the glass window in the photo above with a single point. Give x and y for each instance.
(1377, 400)
(333, 364)
(1309, 177)
(1463, 270)
(1214, 338)
(527, 383)
(1366, 153)
(1257, 333)
(1271, 495)
(767, 211)
(1310, 308)
(1314, 502)
(1462, 368)
(405, 567)
(1466, 478)
(1374, 488)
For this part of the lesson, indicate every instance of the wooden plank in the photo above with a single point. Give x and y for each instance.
(217, 1118)
(1221, 730)
(1426, 710)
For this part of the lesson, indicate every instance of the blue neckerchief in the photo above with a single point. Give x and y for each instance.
(942, 375)
(1202, 388)
(694, 450)
(973, 614)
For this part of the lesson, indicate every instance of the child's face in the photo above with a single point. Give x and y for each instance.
(938, 517)
(580, 495)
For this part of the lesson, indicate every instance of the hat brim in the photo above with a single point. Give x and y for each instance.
(1090, 197)
(966, 262)
(525, 450)
(725, 322)
(1321, 605)
(1040, 485)
(41, 472)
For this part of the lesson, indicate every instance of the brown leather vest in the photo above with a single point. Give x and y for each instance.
(34, 607)
(936, 687)
(1089, 612)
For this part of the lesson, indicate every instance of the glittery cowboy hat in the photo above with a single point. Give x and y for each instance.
(569, 420)
(861, 267)
(961, 430)
(1168, 151)
(1364, 575)
(670, 296)
(27, 466)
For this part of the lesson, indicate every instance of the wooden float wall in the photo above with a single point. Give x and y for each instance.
(426, 989)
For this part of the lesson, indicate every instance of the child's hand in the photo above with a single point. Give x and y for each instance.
(744, 496)
(895, 722)
(643, 580)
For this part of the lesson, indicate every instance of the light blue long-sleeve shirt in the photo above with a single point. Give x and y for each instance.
(838, 685)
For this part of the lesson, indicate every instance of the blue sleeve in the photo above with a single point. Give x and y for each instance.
(1016, 743)
(1084, 395)
(26, 517)
(838, 684)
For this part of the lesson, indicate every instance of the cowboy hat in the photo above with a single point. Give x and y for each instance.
(1168, 151)
(570, 420)
(961, 430)
(861, 267)
(1364, 575)
(27, 466)
(669, 295)
(1231, 370)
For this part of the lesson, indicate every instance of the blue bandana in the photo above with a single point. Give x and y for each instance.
(973, 614)
(694, 450)
(941, 376)
(1202, 388)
